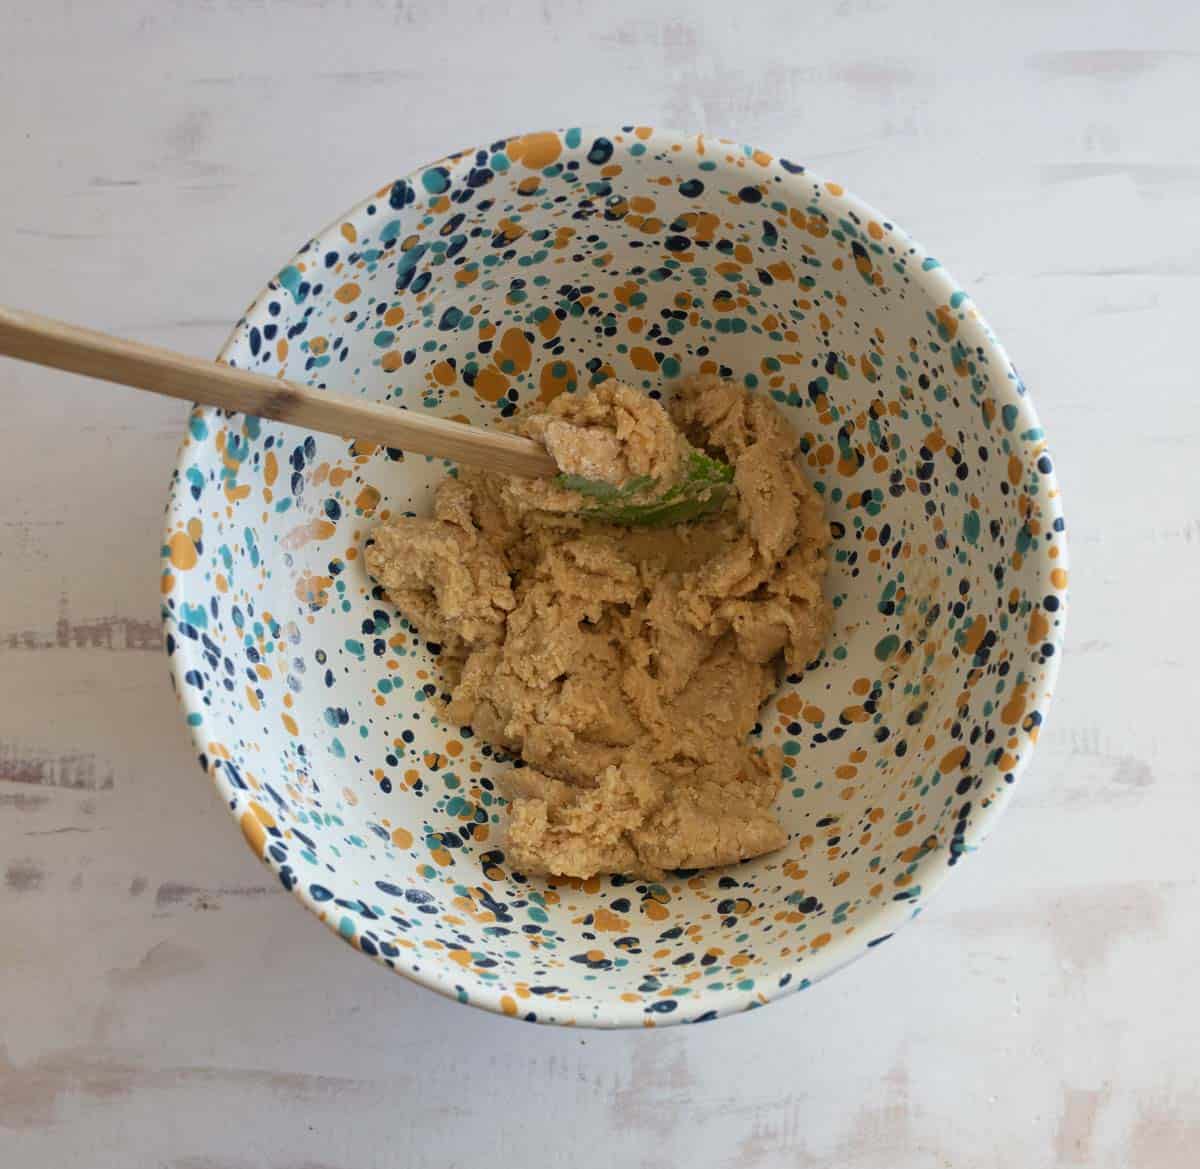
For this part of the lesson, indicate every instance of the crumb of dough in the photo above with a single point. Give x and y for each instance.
(624, 666)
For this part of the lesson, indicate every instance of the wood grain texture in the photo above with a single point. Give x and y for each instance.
(41, 340)
(164, 1006)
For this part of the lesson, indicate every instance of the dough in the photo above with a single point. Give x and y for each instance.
(625, 666)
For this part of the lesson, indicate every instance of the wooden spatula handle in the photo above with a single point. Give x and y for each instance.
(48, 342)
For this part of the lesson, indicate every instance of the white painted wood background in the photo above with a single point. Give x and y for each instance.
(163, 1003)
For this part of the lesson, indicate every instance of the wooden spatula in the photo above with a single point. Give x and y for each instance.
(43, 341)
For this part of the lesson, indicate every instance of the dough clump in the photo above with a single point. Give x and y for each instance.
(624, 666)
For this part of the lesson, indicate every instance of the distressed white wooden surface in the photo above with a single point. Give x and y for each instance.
(164, 1003)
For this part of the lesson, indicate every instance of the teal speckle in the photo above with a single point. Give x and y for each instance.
(971, 527)
(291, 279)
(198, 428)
(886, 646)
(194, 615)
(346, 927)
(435, 180)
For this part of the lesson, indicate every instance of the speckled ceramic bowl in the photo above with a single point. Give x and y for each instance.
(535, 266)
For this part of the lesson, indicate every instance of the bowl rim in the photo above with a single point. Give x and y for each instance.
(932, 870)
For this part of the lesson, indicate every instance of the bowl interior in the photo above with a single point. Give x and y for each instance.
(534, 267)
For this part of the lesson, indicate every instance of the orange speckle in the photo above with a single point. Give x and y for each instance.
(1012, 711)
(394, 315)
(556, 377)
(348, 293)
(1058, 578)
(1039, 627)
(952, 759)
(974, 634)
(349, 233)
(182, 551)
(391, 361)
(535, 151)
(605, 921)
(490, 384)
(367, 500)
(790, 704)
(305, 533)
(313, 591)
(514, 349)
(444, 373)
(290, 724)
(254, 832)
(643, 359)
(508, 1004)
(510, 230)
